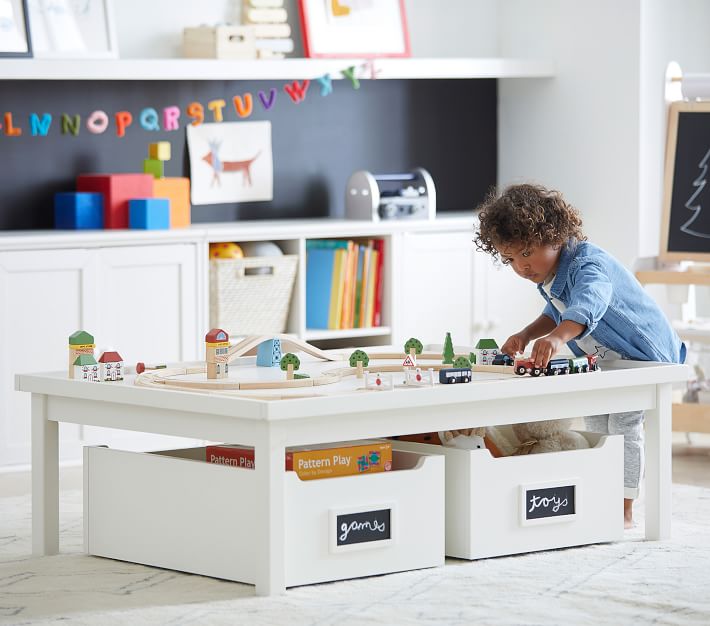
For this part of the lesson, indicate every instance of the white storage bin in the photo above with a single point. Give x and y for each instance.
(171, 509)
(488, 500)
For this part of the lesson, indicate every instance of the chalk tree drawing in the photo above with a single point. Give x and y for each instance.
(699, 223)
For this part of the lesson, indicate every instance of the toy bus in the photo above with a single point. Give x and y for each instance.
(452, 375)
(558, 366)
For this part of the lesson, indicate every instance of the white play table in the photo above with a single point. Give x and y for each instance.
(338, 414)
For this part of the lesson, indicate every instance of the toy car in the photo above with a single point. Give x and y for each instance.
(503, 359)
(452, 375)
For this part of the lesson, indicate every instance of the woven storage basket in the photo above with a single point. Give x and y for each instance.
(251, 304)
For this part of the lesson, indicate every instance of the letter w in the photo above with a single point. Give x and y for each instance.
(297, 91)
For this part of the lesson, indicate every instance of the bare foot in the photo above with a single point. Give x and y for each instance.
(628, 513)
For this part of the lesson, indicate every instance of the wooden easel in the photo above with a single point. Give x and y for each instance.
(684, 235)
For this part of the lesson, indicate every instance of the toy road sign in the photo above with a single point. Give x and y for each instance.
(408, 362)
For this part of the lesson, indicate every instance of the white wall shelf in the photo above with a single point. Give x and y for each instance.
(281, 69)
(347, 333)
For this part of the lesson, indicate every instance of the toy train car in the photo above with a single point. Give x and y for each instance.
(452, 375)
(558, 366)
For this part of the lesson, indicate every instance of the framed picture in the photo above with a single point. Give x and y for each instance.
(354, 28)
(72, 29)
(14, 33)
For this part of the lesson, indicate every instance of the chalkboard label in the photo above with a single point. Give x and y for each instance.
(549, 502)
(363, 527)
(686, 211)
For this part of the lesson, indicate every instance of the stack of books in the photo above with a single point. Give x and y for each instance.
(344, 283)
(345, 458)
(268, 19)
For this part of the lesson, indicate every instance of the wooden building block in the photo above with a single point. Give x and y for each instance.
(159, 150)
(149, 213)
(117, 190)
(154, 167)
(78, 210)
(178, 191)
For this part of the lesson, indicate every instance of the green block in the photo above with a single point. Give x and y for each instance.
(154, 167)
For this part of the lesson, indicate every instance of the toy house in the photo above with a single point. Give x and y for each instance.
(216, 350)
(485, 351)
(110, 366)
(80, 343)
(86, 368)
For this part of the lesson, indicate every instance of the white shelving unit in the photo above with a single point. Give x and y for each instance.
(281, 69)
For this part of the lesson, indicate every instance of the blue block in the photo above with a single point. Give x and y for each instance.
(78, 209)
(149, 213)
(268, 354)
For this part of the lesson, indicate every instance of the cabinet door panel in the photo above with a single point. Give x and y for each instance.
(147, 307)
(147, 302)
(45, 296)
(434, 283)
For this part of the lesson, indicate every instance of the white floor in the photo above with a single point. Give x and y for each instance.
(628, 582)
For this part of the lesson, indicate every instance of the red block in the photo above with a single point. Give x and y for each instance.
(117, 190)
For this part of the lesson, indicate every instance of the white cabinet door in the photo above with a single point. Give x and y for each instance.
(148, 302)
(45, 296)
(147, 306)
(432, 287)
(503, 302)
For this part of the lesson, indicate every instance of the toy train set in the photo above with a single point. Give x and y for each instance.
(558, 366)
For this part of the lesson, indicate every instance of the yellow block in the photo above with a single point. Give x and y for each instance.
(177, 190)
(159, 150)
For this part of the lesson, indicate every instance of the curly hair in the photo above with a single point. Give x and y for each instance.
(528, 214)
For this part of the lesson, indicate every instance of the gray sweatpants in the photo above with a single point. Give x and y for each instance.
(631, 426)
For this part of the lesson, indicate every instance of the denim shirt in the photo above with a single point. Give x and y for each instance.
(601, 294)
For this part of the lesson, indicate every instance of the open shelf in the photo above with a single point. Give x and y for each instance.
(346, 333)
(263, 69)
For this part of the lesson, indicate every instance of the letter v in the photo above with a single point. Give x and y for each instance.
(268, 102)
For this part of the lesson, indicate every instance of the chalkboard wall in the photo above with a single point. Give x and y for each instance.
(689, 212)
(447, 126)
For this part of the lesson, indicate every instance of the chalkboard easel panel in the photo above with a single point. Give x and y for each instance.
(685, 227)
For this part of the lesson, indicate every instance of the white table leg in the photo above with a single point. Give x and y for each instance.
(659, 474)
(269, 511)
(45, 479)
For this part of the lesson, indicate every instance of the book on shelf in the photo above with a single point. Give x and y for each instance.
(351, 286)
(380, 248)
(319, 280)
(358, 285)
(344, 458)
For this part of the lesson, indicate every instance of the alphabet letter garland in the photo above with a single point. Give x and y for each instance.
(149, 118)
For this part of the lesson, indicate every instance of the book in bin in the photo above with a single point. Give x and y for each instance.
(345, 458)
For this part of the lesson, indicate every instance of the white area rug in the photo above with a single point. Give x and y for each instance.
(631, 582)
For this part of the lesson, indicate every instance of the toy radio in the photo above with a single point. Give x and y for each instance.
(390, 196)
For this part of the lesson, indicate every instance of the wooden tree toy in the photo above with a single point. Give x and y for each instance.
(462, 362)
(360, 360)
(290, 363)
(217, 353)
(413, 347)
(448, 356)
(80, 343)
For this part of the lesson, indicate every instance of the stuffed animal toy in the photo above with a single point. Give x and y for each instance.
(547, 436)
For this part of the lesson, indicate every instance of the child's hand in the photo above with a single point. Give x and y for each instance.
(514, 344)
(544, 349)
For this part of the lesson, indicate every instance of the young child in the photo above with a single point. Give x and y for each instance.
(592, 303)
